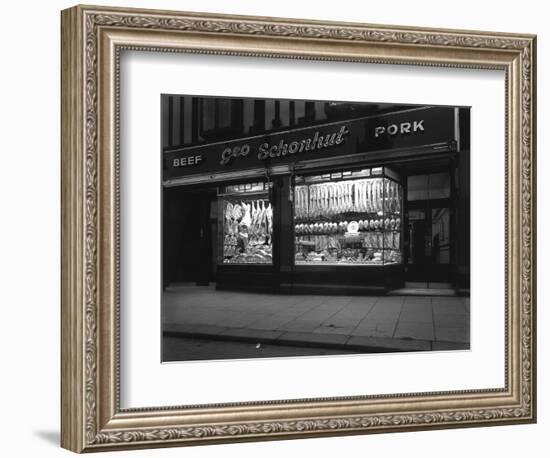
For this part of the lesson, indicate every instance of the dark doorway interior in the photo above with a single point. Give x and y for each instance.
(429, 228)
(189, 233)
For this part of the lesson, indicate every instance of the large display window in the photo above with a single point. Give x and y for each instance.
(348, 218)
(247, 224)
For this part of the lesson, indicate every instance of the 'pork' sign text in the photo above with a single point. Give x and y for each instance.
(401, 129)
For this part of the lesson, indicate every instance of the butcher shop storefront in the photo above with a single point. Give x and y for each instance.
(358, 206)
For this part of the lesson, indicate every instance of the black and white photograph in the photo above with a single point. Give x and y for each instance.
(313, 227)
(275, 229)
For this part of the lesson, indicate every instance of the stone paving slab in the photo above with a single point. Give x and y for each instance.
(309, 337)
(324, 329)
(375, 329)
(453, 320)
(333, 341)
(414, 330)
(399, 322)
(389, 344)
(300, 324)
(272, 323)
(444, 346)
(449, 334)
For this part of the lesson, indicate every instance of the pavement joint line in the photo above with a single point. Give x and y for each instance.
(398, 318)
(337, 311)
(368, 313)
(361, 320)
(309, 309)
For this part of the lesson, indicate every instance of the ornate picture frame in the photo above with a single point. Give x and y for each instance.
(92, 40)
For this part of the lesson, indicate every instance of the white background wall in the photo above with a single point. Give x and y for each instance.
(29, 229)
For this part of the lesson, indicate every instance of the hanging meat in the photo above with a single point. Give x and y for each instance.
(269, 218)
(246, 219)
(368, 196)
(301, 204)
(228, 218)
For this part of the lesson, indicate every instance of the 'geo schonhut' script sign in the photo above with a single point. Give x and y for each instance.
(284, 148)
(409, 128)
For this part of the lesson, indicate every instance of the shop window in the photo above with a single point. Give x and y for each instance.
(428, 186)
(417, 187)
(246, 234)
(348, 218)
(440, 185)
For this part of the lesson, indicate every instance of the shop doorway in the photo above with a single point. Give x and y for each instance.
(429, 230)
(189, 234)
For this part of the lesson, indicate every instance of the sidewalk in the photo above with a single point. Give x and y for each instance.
(363, 323)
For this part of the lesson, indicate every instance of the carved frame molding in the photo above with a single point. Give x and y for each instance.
(92, 39)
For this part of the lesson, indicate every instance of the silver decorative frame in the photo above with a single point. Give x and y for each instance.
(92, 38)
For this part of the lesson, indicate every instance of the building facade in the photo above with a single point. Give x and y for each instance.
(315, 196)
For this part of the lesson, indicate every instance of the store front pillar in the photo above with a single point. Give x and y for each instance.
(286, 241)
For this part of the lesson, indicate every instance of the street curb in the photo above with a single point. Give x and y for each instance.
(363, 344)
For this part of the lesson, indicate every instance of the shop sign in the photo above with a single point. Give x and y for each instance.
(187, 161)
(403, 130)
(284, 147)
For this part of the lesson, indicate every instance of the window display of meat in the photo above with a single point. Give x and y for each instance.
(340, 219)
(247, 228)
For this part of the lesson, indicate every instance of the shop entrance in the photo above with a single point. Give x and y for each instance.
(429, 230)
(189, 235)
